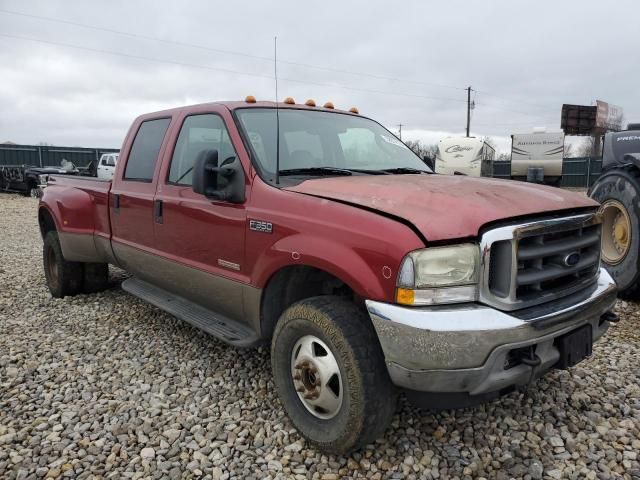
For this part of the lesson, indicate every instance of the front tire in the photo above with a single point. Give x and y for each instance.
(330, 374)
(619, 193)
(64, 278)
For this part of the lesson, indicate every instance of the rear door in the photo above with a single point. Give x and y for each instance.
(132, 195)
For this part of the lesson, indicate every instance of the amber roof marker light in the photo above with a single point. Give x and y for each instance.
(310, 103)
(354, 110)
(289, 101)
(250, 99)
(328, 105)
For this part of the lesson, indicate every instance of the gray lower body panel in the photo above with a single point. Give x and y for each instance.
(211, 322)
(235, 300)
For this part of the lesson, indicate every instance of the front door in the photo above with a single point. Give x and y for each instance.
(201, 239)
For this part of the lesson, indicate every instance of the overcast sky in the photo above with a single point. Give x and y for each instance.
(77, 81)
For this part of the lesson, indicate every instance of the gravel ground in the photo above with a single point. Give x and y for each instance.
(107, 386)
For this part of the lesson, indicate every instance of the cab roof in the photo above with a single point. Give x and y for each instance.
(238, 104)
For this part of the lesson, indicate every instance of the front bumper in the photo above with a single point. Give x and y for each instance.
(464, 348)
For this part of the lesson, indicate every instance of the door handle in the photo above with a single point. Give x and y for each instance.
(116, 203)
(157, 211)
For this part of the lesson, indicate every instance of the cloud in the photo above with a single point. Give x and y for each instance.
(407, 64)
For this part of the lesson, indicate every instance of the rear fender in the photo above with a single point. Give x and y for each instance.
(71, 208)
(73, 213)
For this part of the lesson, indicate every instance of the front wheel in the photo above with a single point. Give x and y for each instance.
(619, 195)
(330, 374)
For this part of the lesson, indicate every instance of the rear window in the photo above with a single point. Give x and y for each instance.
(144, 152)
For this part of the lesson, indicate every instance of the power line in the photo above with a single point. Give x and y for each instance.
(228, 52)
(227, 70)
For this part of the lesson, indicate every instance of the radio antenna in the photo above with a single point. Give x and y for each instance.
(275, 73)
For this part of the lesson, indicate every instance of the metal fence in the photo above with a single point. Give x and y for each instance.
(576, 172)
(580, 172)
(45, 156)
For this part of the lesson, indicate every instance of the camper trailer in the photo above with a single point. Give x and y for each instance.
(538, 153)
(464, 155)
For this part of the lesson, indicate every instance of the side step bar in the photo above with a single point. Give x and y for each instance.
(213, 323)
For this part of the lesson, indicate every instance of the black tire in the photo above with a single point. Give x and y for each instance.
(64, 278)
(96, 277)
(30, 190)
(623, 187)
(368, 397)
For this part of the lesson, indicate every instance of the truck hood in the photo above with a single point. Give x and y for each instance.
(444, 207)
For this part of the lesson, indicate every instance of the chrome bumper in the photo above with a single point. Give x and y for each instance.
(464, 348)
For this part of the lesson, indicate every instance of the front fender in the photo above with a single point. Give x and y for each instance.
(371, 279)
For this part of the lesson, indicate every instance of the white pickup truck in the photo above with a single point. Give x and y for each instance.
(107, 166)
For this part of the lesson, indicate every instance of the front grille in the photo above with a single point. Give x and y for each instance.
(532, 263)
(555, 261)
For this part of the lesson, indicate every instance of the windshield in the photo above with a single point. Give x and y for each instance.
(316, 139)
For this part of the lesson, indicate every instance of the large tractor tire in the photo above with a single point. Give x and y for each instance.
(618, 191)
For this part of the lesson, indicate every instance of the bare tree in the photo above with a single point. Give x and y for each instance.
(422, 149)
(491, 142)
(582, 149)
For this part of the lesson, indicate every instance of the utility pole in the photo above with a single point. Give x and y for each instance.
(468, 109)
(400, 130)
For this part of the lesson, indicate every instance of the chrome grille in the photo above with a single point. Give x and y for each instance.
(535, 262)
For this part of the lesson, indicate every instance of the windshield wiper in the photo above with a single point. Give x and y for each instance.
(401, 170)
(315, 171)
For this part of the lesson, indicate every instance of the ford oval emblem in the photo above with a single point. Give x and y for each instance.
(572, 259)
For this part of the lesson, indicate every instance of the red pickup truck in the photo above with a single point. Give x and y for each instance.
(318, 231)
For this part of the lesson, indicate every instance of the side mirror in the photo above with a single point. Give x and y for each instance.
(225, 182)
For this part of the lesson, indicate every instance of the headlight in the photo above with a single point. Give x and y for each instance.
(439, 275)
(43, 179)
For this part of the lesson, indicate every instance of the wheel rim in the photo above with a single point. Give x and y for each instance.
(316, 377)
(33, 193)
(52, 265)
(616, 232)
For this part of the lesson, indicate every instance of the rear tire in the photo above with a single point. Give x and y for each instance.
(619, 193)
(96, 277)
(64, 278)
(343, 337)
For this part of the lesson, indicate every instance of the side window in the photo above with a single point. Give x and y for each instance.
(198, 133)
(144, 152)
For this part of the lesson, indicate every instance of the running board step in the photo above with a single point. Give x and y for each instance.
(210, 322)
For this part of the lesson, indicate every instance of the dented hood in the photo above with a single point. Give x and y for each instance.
(444, 207)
